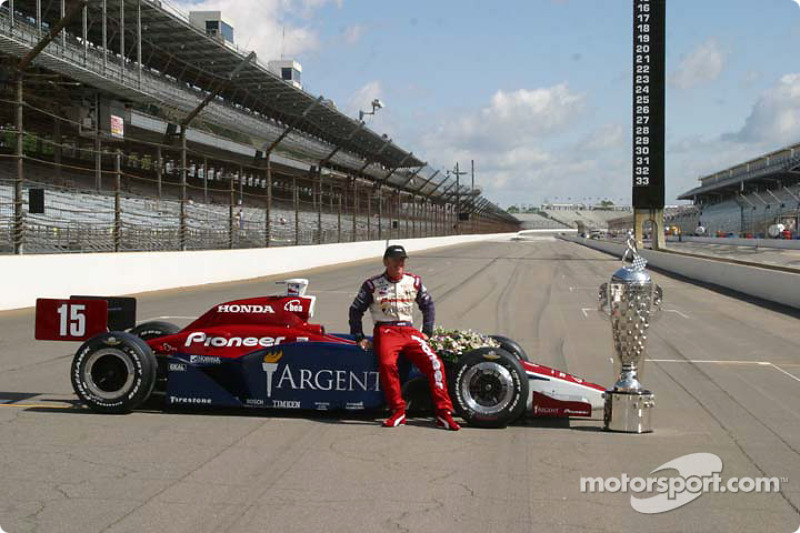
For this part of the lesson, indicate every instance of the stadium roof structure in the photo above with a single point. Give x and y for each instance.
(149, 53)
(780, 166)
(172, 44)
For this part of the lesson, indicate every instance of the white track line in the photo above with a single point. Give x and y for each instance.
(759, 363)
(676, 311)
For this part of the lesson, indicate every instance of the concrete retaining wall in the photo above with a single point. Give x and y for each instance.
(771, 285)
(25, 278)
(755, 243)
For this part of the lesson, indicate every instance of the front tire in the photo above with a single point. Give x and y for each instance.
(113, 372)
(489, 388)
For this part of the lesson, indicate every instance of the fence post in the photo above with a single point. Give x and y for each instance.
(231, 202)
(267, 228)
(159, 169)
(339, 219)
(19, 221)
(380, 213)
(296, 211)
(184, 171)
(354, 194)
(319, 204)
(117, 206)
(369, 213)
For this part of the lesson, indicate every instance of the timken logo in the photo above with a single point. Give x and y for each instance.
(238, 308)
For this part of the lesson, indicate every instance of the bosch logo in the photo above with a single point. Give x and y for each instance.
(237, 308)
(199, 337)
(293, 306)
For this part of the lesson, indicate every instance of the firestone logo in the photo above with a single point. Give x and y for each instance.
(238, 308)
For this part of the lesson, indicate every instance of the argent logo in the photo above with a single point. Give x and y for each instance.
(697, 473)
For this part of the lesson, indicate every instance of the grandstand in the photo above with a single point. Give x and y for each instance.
(147, 133)
(747, 198)
(583, 216)
(538, 221)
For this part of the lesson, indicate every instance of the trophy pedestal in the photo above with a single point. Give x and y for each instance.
(628, 412)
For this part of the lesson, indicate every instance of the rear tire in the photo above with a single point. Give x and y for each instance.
(152, 330)
(113, 372)
(512, 347)
(489, 388)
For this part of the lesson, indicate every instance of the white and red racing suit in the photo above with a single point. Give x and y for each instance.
(391, 303)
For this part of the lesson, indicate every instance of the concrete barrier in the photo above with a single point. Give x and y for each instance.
(27, 277)
(753, 243)
(771, 285)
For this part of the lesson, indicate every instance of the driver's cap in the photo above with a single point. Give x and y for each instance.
(395, 251)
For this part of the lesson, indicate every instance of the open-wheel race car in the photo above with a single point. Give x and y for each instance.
(263, 353)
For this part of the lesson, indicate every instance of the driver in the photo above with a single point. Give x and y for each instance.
(390, 297)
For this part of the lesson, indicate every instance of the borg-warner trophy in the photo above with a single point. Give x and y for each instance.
(631, 300)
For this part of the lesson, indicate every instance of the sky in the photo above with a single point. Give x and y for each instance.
(538, 92)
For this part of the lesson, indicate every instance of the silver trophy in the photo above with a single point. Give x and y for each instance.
(631, 300)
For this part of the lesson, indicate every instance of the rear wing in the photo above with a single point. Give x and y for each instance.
(81, 317)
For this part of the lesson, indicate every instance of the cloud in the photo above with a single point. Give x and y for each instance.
(702, 65)
(775, 117)
(796, 2)
(352, 34)
(525, 147)
(511, 120)
(270, 27)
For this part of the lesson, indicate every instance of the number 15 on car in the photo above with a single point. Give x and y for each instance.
(70, 320)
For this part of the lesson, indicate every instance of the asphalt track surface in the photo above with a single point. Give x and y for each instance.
(726, 373)
(768, 256)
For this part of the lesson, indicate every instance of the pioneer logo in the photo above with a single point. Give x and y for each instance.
(293, 306)
(199, 337)
(250, 308)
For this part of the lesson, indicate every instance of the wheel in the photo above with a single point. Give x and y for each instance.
(114, 372)
(512, 347)
(153, 330)
(489, 388)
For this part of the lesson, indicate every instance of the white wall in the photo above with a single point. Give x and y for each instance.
(772, 285)
(27, 277)
(753, 243)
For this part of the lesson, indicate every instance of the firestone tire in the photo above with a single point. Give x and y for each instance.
(113, 372)
(512, 347)
(489, 388)
(154, 329)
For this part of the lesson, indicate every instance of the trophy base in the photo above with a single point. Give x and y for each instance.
(628, 412)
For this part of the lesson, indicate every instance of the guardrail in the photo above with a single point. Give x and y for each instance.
(767, 284)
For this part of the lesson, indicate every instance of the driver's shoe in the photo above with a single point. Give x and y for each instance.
(445, 420)
(398, 418)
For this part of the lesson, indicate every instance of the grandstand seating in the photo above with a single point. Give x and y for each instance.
(591, 218)
(537, 221)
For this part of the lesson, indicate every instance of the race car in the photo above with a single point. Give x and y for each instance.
(263, 353)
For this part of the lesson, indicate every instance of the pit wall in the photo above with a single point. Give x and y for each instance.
(770, 285)
(755, 243)
(27, 277)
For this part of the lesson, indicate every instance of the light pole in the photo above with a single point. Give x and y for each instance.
(376, 104)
